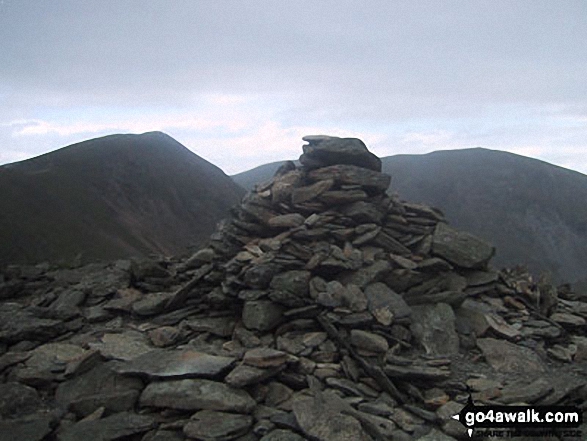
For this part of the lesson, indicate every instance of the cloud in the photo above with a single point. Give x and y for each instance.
(239, 82)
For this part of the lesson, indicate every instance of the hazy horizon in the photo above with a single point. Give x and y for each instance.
(239, 83)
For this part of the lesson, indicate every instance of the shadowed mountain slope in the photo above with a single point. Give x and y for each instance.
(110, 197)
(532, 211)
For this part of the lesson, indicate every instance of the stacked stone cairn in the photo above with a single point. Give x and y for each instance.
(323, 309)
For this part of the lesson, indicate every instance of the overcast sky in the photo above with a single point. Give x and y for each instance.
(240, 82)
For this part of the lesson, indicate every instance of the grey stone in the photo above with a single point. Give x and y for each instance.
(162, 364)
(417, 372)
(363, 212)
(164, 336)
(460, 248)
(31, 428)
(352, 175)
(17, 400)
(282, 435)
(262, 315)
(195, 395)
(124, 346)
(18, 324)
(507, 357)
(369, 274)
(99, 387)
(304, 194)
(244, 375)
(329, 150)
(163, 435)
(436, 435)
(219, 426)
(368, 341)
(46, 362)
(320, 421)
(339, 197)
(290, 220)
(295, 282)
(433, 327)
(385, 304)
(525, 392)
(113, 427)
(151, 304)
(220, 326)
(265, 357)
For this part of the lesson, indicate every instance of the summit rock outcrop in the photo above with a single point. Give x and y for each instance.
(322, 309)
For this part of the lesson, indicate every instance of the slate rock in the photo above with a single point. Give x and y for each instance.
(295, 282)
(124, 346)
(195, 395)
(436, 435)
(163, 364)
(363, 212)
(220, 326)
(262, 315)
(101, 386)
(368, 341)
(119, 425)
(164, 336)
(265, 357)
(163, 435)
(385, 304)
(46, 362)
(507, 357)
(324, 150)
(17, 400)
(433, 327)
(151, 304)
(307, 193)
(31, 428)
(244, 375)
(290, 220)
(219, 426)
(352, 175)
(282, 435)
(320, 421)
(18, 324)
(462, 249)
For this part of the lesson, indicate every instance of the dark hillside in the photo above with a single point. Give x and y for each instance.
(110, 197)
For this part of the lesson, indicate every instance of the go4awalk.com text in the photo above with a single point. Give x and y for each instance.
(512, 421)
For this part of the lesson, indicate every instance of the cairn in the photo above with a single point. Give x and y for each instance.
(324, 309)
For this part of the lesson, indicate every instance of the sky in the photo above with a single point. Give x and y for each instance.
(240, 82)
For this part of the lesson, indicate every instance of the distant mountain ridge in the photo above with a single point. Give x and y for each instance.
(532, 211)
(111, 197)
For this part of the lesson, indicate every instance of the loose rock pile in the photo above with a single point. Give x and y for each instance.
(323, 309)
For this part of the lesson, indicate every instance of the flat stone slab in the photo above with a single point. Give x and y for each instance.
(125, 346)
(460, 248)
(113, 427)
(507, 357)
(209, 424)
(32, 428)
(99, 387)
(323, 150)
(433, 327)
(195, 395)
(319, 421)
(352, 175)
(161, 364)
(385, 304)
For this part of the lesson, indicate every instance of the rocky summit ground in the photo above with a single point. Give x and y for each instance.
(323, 309)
